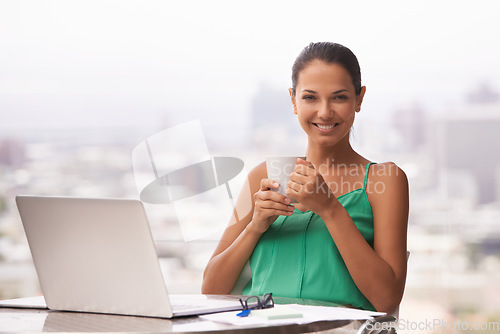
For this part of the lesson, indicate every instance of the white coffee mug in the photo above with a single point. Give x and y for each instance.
(279, 170)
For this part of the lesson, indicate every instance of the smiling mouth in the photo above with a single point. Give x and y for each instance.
(325, 126)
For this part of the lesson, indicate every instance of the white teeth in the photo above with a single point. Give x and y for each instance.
(326, 127)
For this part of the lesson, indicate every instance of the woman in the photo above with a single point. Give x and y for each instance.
(345, 239)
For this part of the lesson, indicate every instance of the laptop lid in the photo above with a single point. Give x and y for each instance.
(96, 255)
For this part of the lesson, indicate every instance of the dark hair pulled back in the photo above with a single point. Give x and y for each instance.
(330, 53)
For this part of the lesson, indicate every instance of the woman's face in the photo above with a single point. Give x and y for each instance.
(326, 102)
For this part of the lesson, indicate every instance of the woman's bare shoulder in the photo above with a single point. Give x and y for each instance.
(387, 172)
(387, 181)
(257, 173)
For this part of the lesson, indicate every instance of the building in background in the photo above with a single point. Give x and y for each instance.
(467, 142)
(411, 122)
(12, 152)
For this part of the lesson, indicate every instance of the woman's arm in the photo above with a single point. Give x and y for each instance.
(379, 273)
(255, 210)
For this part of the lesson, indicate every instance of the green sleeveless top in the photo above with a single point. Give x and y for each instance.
(296, 257)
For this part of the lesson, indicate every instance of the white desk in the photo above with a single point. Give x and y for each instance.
(14, 320)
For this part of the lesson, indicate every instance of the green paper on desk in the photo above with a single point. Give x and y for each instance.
(281, 312)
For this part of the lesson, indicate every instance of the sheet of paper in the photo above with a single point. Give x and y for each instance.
(309, 314)
(29, 302)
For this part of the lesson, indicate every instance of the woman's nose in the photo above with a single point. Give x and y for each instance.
(325, 111)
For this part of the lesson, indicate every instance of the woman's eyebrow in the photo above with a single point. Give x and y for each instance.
(340, 91)
(308, 91)
(314, 92)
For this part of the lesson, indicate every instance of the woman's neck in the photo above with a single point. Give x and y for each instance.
(326, 156)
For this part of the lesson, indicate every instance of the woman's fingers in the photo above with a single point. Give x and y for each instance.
(302, 162)
(305, 169)
(271, 208)
(266, 195)
(270, 203)
(267, 184)
(272, 199)
(297, 178)
(305, 181)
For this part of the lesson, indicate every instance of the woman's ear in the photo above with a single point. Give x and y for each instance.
(359, 98)
(292, 98)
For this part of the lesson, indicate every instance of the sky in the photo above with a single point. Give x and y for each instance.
(156, 63)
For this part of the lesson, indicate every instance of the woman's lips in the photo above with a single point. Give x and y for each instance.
(323, 127)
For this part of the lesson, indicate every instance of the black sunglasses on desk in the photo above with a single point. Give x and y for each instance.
(257, 303)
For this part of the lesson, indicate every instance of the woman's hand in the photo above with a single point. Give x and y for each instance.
(269, 205)
(309, 188)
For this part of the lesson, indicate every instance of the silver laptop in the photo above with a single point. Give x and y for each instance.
(98, 255)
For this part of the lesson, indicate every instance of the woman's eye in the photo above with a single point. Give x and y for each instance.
(340, 97)
(308, 97)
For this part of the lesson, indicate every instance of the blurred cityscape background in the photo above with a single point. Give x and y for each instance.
(83, 83)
